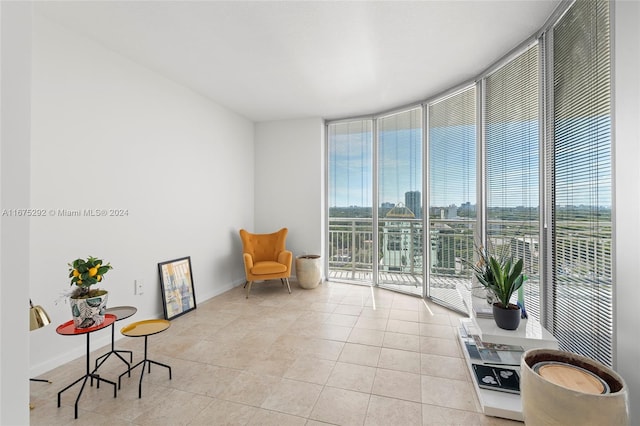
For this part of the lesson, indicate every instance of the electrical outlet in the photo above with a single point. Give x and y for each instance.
(139, 287)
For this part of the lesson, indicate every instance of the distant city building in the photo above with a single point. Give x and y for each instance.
(412, 201)
(467, 209)
(401, 241)
(452, 211)
(527, 249)
(387, 205)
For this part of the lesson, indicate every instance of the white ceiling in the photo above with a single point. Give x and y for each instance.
(274, 60)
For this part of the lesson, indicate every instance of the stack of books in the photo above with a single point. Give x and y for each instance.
(494, 364)
(480, 308)
(483, 311)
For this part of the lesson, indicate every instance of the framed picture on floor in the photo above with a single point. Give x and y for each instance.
(176, 285)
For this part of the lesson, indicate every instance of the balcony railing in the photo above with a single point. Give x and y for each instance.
(401, 253)
(402, 256)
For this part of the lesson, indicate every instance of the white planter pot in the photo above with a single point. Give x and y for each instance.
(88, 312)
(308, 270)
(561, 400)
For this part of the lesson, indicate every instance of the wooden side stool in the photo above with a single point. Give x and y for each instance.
(144, 329)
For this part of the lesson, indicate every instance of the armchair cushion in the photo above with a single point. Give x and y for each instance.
(268, 267)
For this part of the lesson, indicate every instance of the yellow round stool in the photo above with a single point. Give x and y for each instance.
(144, 329)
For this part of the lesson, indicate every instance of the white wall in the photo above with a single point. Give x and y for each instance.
(627, 183)
(15, 38)
(109, 134)
(289, 186)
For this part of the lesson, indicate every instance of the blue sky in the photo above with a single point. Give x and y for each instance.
(512, 179)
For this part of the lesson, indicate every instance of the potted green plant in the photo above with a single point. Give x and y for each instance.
(88, 305)
(501, 276)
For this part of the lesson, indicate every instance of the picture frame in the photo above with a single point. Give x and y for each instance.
(176, 285)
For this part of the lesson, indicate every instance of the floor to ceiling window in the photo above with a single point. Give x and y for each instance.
(350, 239)
(452, 141)
(392, 256)
(399, 171)
(519, 160)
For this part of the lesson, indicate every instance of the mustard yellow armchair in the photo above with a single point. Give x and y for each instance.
(266, 257)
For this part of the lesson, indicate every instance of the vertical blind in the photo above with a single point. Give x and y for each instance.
(452, 195)
(512, 144)
(581, 309)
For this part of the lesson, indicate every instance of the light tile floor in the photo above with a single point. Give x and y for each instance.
(338, 354)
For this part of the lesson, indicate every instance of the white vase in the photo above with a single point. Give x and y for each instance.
(308, 270)
(88, 312)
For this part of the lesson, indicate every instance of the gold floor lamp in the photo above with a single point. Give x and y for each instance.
(38, 318)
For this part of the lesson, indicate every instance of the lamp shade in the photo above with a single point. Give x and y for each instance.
(38, 317)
